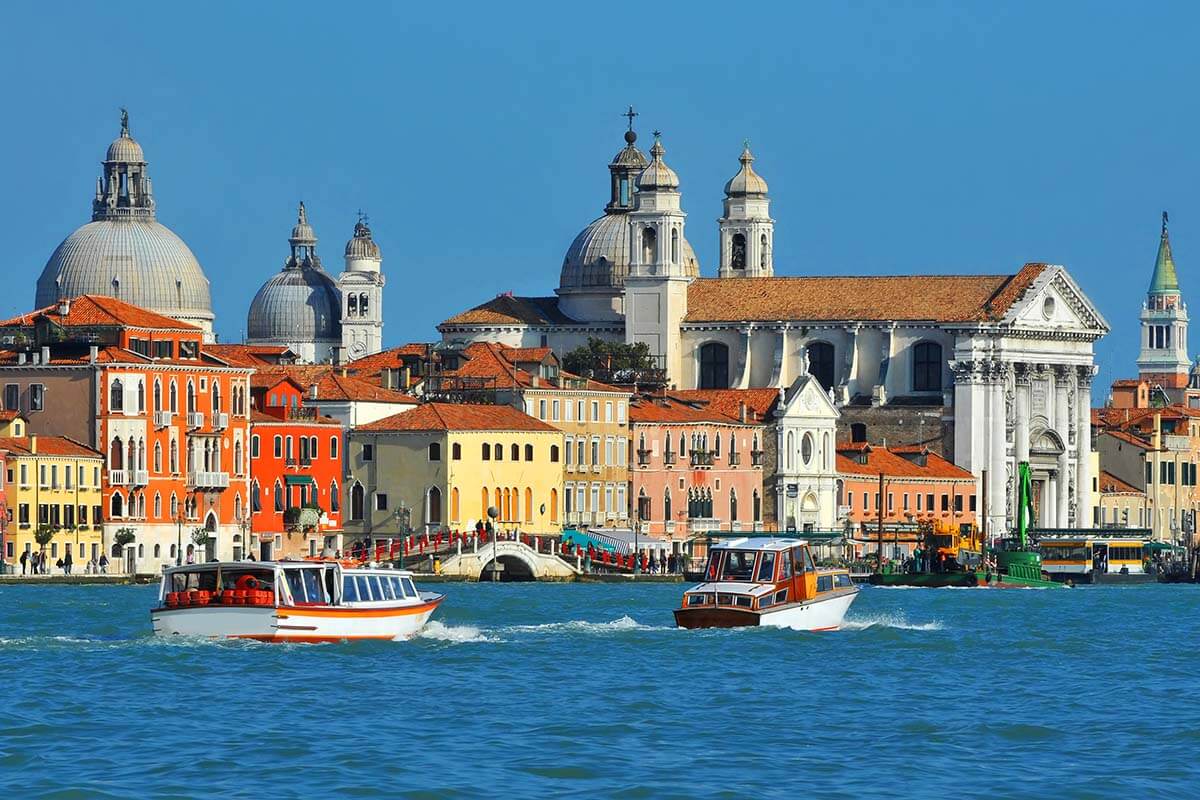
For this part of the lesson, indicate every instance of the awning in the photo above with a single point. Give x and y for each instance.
(1158, 546)
(299, 480)
(624, 540)
(582, 539)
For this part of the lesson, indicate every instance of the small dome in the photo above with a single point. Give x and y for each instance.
(629, 155)
(598, 259)
(361, 245)
(747, 181)
(302, 232)
(125, 150)
(658, 176)
(296, 305)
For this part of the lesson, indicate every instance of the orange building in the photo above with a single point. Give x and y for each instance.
(171, 419)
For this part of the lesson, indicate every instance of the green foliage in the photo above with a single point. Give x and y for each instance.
(123, 536)
(200, 536)
(44, 534)
(599, 355)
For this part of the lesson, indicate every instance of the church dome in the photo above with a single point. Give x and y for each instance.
(598, 259)
(124, 252)
(658, 176)
(746, 181)
(301, 303)
(361, 245)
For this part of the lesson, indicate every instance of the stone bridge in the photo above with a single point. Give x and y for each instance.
(518, 562)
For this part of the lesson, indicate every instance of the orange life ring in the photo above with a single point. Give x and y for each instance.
(247, 582)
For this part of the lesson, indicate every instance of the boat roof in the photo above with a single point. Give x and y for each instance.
(247, 564)
(758, 543)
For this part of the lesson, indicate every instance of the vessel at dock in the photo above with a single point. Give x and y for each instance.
(302, 601)
(766, 581)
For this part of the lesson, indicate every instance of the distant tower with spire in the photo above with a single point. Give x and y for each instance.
(1163, 360)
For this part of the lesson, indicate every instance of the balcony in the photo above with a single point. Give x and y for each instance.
(139, 477)
(162, 419)
(302, 517)
(669, 457)
(220, 421)
(756, 458)
(701, 458)
(735, 459)
(643, 458)
(118, 477)
(208, 480)
(703, 525)
(300, 413)
(195, 419)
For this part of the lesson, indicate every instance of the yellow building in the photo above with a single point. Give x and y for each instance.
(446, 463)
(50, 481)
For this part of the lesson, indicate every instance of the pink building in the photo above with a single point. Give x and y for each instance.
(694, 470)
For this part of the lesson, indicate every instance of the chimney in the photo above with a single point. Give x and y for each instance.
(93, 352)
(33, 444)
(45, 354)
(742, 411)
(385, 376)
(21, 359)
(1156, 441)
(535, 381)
(312, 391)
(64, 306)
(405, 379)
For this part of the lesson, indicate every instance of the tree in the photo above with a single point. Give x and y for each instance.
(43, 536)
(122, 537)
(615, 360)
(200, 536)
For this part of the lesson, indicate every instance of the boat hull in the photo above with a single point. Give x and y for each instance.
(312, 624)
(822, 614)
(936, 580)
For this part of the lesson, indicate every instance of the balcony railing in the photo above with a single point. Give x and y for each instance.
(669, 457)
(208, 480)
(118, 477)
(302, 517)
(195, 419)
(702, 524)
(756, 458)
(220, 421)
(300, 412)
(139, 477)
(701, 458)
(643, 457)
(162, 419)
(735, 458)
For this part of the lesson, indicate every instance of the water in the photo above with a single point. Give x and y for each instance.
(588, 691)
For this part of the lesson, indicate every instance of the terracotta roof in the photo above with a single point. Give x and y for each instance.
(1128, 438)
(1111, 484)
(495, 361)
(392, 358)
(940, 298)
(333, 385)
(8, 415)
(525, 354)
(728, 401)
(460, 417)
(262, 418)
(48, 446)
(1127, 382)
(249, 355)
(894, 465)
(506, 309)
(659, 410)
(92, 309)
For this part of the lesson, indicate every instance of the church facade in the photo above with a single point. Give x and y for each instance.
(987, 370)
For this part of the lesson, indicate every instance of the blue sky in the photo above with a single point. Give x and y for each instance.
(896, 137)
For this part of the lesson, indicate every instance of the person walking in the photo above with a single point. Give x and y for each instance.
(68, 562)
(103, 564)
(24, 560)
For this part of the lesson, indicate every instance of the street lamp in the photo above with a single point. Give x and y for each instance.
(494, 512)
(403, 517)
(179, 536)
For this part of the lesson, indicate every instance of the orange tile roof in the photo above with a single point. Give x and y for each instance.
(332, 384)
(1111, 484)
(1128, 438)
(894, 465)
(392, 358)
(262, 418)
(90, 309)
(48, 446)
(667, 410)
(460, 417)
(940, 298)
(525, 354)
(248, 355)
(509, 310)
(759, 402)
(1127, 382)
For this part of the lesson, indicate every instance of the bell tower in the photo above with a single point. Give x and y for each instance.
(747, 230)
(1163, 359)
(362, 294)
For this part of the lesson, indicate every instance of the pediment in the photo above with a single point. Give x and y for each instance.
(1055, 301)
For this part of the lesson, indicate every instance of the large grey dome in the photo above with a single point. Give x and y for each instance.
(599, 256)
(124, 252)
(296, 305)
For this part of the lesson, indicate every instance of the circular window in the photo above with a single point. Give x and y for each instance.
(1048, 307)
(806, 448)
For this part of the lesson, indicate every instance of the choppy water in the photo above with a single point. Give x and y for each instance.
(588, 690)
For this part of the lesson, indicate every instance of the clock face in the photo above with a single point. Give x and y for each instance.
(358, 348)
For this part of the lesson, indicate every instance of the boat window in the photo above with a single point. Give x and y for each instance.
(295, 584)
(743, 600)
(804, 562)
(312, 586)
(409, 589)
(695, 599)
(842, 581)
(1069, 551)
(376, 589)
(389, 588)
(781, 595)
(765, 601)
(824, 583)
(738, 565)
(364, 589)
(349, 589)
(766, 567)
(724, 599)
(785, 567)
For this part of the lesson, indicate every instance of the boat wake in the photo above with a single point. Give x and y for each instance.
(457, 634)
(624, 623)
(895, 621)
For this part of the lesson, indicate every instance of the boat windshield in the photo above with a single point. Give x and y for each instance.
(305, 585)
(731, 565)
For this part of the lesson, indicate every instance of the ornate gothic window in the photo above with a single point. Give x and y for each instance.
(927, 367)
(116, 397)
(714, 366)
(356, 502)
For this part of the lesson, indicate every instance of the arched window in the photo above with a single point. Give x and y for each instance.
(764, 250)
(529, 452)
(116, 454)
(554, 505)
(649, 245)
(237, 457)
(362, 304)
(825, 456)
(806, 448)
(333, 448)
(789, 456)
(157, 394)
(174, 455)
(498, 452)
(757, 507)
(116, 396)
(141, 391)
(237, 507)
(434, 516)
(278, 496)
(173, 396)
(356, 502)
(141, 505)
(335, 497)
(487, 452)
(714, 366)
(553, 454)
(483, 504)
(515, 452)
(716, 445)
(528, 504)
(858, 432)
(737, 251)
(499, 504)
(820, 363)
(157, 505)
(117, 505)
(667, 504)
(435, 451)
(352, 305)
(927, 367)
(675, 246)
(216, 396)
(191, 398)
(732, 505)
(255, 497)
(157, 550)
(454, 504)
(682, 446)
(456, 451)
(174, 507)
(158, 457)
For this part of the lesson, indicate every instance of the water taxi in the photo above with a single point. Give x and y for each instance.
(300, 601)
(769, 582)
(1088, 557)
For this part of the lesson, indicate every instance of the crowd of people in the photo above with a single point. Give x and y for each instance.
(38, 562)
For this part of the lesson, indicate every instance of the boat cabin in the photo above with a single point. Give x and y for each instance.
(758, 573)
(291, 584)
(1067, 556)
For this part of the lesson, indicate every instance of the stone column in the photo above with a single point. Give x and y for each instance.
(1062, 424)
(1083, 445)
(995, 427)
(1023, 412)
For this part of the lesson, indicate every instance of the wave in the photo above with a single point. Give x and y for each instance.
(624, 623)
(896, 621)
(458, 634)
